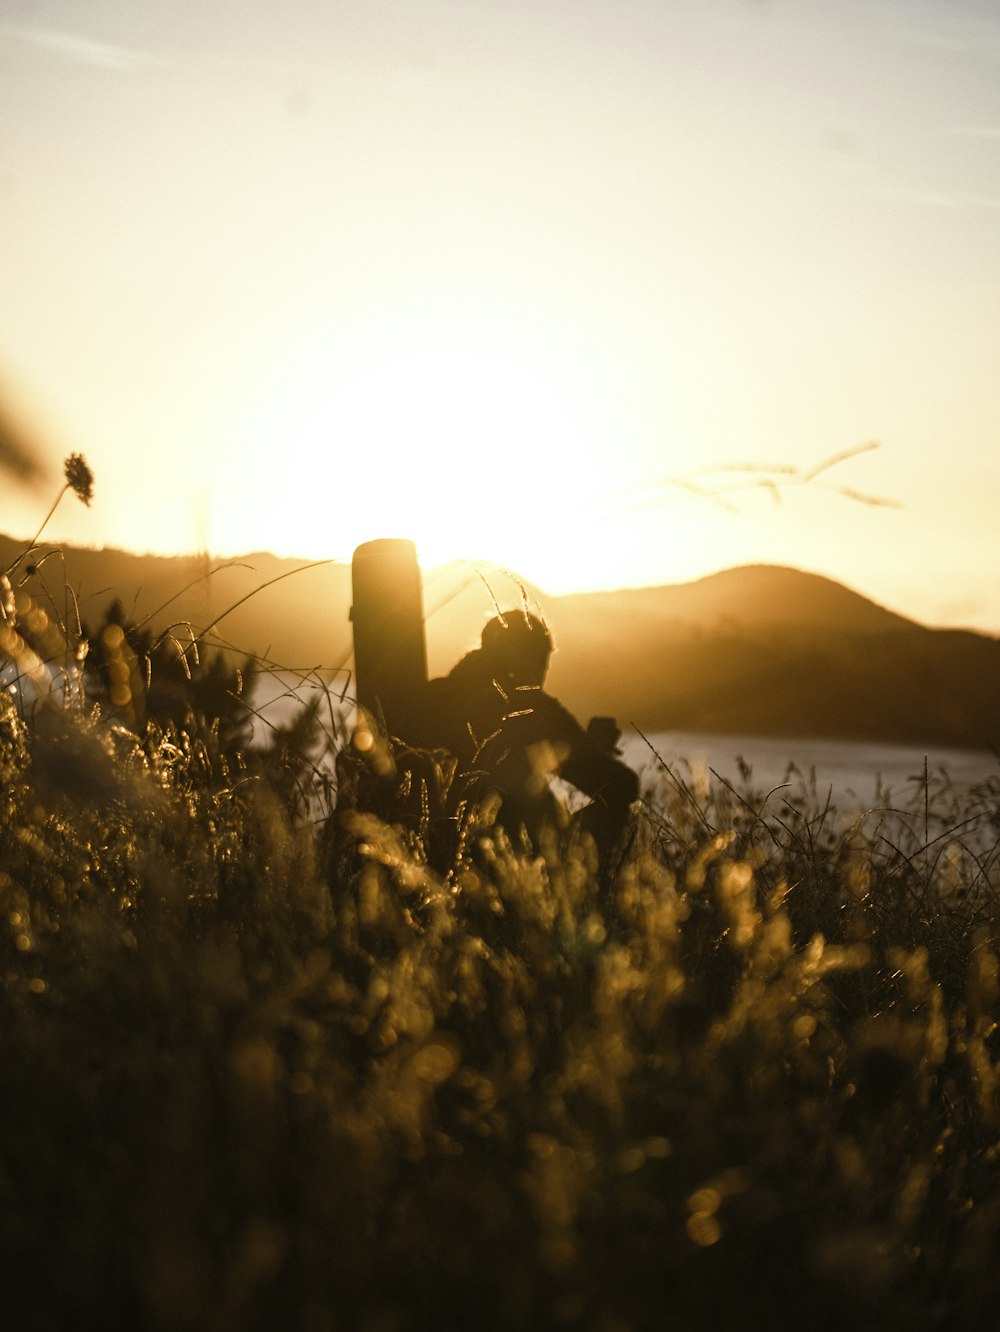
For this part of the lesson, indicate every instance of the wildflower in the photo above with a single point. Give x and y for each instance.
(79, 477)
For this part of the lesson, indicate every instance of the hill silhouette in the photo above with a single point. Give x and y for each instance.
(759, 649)
(290, 610)
(774, 651)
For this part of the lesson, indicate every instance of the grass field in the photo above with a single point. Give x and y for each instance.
(258, 1077)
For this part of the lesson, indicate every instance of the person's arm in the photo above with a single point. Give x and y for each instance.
(587, 766)
(600, 775)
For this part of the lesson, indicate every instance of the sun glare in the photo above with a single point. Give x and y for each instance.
(472, 448)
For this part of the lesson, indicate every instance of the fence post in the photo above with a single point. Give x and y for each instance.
(387, 614)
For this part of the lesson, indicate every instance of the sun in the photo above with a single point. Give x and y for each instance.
(471, 445)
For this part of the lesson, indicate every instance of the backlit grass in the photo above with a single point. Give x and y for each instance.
(255, 1076)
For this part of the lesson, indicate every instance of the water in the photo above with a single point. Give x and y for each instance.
(856, 775)
(277, 696)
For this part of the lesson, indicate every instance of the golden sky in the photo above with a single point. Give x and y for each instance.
(494, 274)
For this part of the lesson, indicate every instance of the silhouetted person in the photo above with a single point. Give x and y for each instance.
(493, 715)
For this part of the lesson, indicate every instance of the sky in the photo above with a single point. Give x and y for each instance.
(548, 284)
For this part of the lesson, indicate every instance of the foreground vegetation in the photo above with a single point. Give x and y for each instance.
(259, 1077)
(263, 1067)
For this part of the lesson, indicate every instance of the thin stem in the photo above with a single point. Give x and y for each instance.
(44, 524)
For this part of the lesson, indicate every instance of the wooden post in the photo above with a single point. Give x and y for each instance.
(390, 649)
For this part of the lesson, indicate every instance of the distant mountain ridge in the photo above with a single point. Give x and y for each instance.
(760, 649)
(780, 593)
(765, 596)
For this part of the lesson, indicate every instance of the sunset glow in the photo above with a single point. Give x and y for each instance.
(467, 445)
(494, 277)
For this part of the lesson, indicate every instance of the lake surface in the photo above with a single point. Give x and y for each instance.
(857, 775)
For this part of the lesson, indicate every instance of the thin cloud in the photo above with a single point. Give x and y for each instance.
(80, 50)
(975, 132)
(937, 41)
(914, 195)
(934, 198)
(979, 37)
(83, 50)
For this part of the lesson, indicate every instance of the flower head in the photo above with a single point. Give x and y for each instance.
(79, 477)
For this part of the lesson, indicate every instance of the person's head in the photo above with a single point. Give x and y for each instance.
(517, 647)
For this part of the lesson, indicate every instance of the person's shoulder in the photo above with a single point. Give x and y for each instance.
(470, 666)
